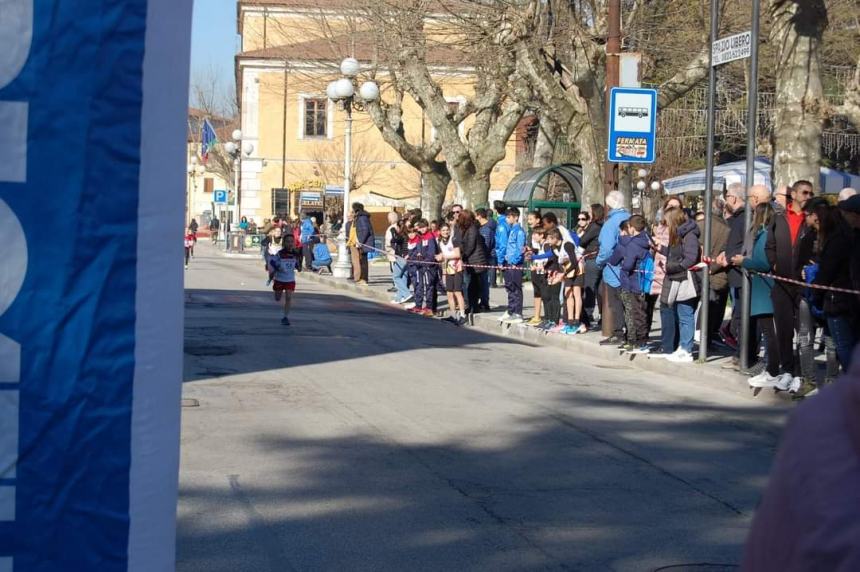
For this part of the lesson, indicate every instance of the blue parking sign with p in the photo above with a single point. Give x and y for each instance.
(219, 197)
(632, 125)
(90, 326)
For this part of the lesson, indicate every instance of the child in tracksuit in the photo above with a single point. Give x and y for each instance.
(514, 257)
(632, 253)
(426, 270)
(413, 242)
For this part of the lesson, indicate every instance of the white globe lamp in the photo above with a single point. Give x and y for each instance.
(331, 91)
(247, 148)
(640, 185)
(343, 88)
(230, 147)
(349, 67)
(237, 135)
(655, 186)
(642, 173)
(369, 91)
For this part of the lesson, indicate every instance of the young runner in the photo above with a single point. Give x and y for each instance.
(189, 244)
(282, 270)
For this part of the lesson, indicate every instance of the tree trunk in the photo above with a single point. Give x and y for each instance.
(545, 145)
(476, 190)
(434, 185)
(585, 139)
(797, 29)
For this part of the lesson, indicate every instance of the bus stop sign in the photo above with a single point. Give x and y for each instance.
(632, 125)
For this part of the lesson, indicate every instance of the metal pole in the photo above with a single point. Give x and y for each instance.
(704, 313)
(752, 118)
(613, 49)
(342, 269)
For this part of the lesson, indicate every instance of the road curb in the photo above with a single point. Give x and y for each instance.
(721, 379)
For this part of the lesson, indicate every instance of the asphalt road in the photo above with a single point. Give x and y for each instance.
(365, 438)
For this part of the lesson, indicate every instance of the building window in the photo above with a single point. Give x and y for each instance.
(316, 120)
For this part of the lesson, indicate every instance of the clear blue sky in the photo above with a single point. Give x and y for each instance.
(213, 40)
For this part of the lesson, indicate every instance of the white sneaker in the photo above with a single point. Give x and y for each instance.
(795, 384)
(514, 319)
(786, 381)
(506, 316)
(763, 379)
(758, 378)
(680, 356)
(409, 305)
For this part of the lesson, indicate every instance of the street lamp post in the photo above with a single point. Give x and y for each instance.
(235, 149)
(195, 170)
(342, 91)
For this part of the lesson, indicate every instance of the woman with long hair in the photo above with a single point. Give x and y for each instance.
(679, 295)
(472, 252)
(835, 248)
(761, 306)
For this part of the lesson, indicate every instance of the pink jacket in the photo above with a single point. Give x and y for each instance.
(661, 237)
(809, 518)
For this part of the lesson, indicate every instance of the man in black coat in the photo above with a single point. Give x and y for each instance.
(786, 237)
(736, 244)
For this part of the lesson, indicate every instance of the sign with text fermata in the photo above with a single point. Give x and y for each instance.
(93, 102)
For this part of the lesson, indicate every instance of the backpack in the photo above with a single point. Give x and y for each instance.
(645, 271)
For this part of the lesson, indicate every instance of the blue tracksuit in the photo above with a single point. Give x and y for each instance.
(502, 231)
(514, 256)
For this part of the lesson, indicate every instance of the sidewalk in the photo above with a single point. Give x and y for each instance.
(711, 372)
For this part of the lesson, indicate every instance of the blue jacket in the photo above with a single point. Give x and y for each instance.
(363, 229)
(307, 230)
(760, 302)
(629, 254)
(608, 239)
(488, 233)
(502, 231)
(515, 243)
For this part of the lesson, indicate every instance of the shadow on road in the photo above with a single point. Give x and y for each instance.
(229, 332)
(579, 489)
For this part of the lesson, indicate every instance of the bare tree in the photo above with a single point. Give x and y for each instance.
(850, 106)
(559, 48)
(796, 29)
(218, 105)
(405, 56)
(327, 160)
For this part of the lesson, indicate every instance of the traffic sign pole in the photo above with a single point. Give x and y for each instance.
(752, 117)
(704, 313)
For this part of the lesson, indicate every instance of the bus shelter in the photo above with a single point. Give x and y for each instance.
(557, 188)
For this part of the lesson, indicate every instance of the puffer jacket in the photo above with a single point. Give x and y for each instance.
(661, 238)
(680, 257)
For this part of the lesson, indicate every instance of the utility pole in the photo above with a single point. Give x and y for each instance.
(613, 78)
(613, 73)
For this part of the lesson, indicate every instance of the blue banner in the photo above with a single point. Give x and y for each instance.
(79, 379)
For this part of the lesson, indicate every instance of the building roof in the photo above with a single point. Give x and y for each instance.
(360, 47)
